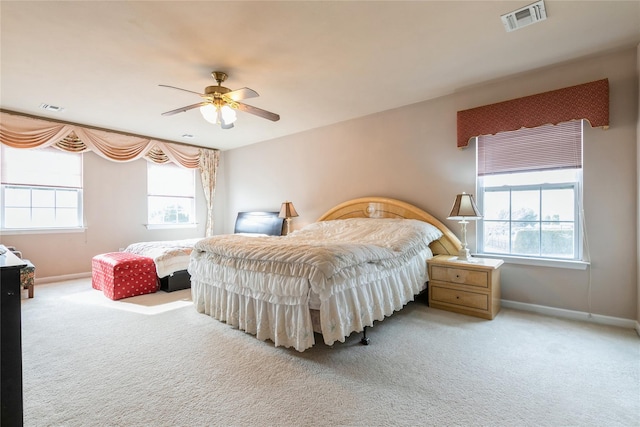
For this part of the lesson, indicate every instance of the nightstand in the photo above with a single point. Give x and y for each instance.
(465, 287)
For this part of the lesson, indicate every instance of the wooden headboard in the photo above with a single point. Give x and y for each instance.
(381, 207)
(259, 223)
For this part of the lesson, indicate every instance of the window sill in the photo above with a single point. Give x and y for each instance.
(539, 262)
(169, 226)
(19, 231)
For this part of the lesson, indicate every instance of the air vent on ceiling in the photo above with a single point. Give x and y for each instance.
(50, 107)
(524, 16)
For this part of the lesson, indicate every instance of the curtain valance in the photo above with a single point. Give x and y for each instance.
(20, 131)
(589, 101)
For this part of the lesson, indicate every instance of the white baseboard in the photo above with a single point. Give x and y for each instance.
(51, 279)
(574, 315)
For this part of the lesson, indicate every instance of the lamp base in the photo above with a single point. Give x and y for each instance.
(464, 255)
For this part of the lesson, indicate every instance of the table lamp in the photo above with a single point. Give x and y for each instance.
(287, 211)
(464, 209)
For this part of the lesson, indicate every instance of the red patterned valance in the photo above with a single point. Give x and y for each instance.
(588, 101)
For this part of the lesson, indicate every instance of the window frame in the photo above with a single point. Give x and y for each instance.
(578, 260)
(80, 223)
(171, 225)
(578, 240)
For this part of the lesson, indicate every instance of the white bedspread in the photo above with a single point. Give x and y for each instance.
(169, 255)
(360, 270)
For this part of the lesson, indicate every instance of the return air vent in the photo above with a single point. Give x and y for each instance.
(525, 16)
(50, 107)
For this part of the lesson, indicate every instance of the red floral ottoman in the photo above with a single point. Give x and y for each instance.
(121, 275)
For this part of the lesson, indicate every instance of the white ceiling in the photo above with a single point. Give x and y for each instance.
(313, 62)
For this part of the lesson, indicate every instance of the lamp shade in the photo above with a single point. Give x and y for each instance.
(464, 208)
(287, 210)
(210, 113)
(228, 115)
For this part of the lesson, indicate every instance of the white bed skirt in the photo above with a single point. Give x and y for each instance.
(286, 319)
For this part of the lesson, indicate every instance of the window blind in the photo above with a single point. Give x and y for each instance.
(42, 166)
(531, 149)
(170, 180)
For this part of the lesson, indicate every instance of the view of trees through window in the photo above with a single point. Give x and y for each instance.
(532, 214)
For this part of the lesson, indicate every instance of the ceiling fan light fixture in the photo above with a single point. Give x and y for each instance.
(210, 113)
(228, 114)
(224, 115)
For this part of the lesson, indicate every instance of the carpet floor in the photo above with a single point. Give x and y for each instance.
(154, 361)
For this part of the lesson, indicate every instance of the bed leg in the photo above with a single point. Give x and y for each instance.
(364, 340)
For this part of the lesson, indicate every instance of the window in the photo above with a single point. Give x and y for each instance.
(170, 195)
(40, 189)
(530, 192)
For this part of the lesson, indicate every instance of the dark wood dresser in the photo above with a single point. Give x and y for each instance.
(10, 340)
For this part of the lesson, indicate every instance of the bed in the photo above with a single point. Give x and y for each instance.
(360, 262)
(172, 256)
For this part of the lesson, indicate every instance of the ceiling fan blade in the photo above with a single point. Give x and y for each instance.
(240, 94)
(257, 111)
(184, 90)
(183, 109)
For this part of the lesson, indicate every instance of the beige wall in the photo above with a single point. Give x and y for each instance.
(115, 211)
(410, 154)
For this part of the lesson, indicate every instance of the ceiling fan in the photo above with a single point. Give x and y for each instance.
(219, 103)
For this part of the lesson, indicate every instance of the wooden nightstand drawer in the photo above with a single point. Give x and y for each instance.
(462, 298)
(460, 276)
